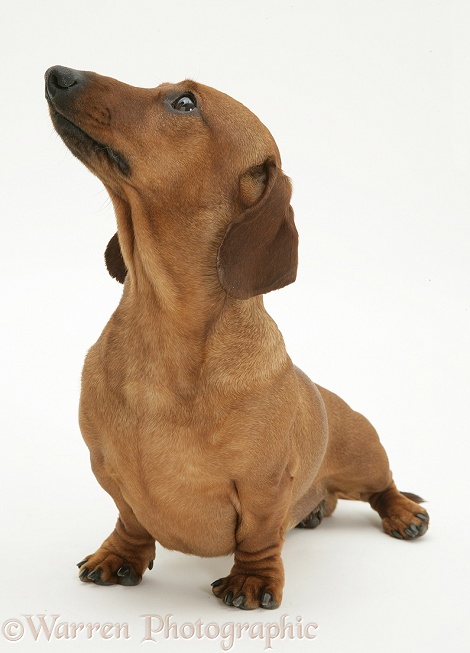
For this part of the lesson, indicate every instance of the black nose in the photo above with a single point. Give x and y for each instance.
(60, 79)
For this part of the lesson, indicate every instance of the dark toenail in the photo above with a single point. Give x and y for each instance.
(124, 571)
(218, 582)
(95, 574)
(268, 602)
(151, 564)
(82, 562)
(228, 598)
(312, 521)
(266, 599)
(239, 601)
(422, 516)
(128, 579)
(84, 573)
(410, 533)
(397, 535)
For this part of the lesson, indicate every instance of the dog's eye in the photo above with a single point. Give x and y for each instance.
(185, 103)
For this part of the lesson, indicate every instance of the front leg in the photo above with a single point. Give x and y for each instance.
(127, 552)
(257, 576)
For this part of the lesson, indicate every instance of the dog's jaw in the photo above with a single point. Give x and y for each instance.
(83, 146)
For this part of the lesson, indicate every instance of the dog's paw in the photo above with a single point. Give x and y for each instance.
(408, 523)
(106, 568)
(314, 518)
(248, 592)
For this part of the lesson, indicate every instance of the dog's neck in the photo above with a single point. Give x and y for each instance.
(168, 274)
(185, 322)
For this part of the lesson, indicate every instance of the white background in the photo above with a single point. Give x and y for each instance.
(369, 102)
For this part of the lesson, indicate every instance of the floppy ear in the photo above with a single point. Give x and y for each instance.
(114, 261)
(258, 252)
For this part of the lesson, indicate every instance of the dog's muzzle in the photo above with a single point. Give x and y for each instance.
(63, 87)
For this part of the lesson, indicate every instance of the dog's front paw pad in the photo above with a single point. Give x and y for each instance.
(248, 592)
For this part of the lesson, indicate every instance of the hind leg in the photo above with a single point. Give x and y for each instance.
(314, 518)
(357, 467)
(402, 516)
(324, 509)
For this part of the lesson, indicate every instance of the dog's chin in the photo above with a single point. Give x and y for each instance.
(90, 152)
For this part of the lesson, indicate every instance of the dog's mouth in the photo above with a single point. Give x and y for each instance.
(83, 146)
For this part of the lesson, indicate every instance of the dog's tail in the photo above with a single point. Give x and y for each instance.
(413, 497)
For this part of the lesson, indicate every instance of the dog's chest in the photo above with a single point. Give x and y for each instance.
(178, 489)
(173, 457)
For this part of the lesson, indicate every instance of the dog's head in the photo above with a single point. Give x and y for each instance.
(185, 163)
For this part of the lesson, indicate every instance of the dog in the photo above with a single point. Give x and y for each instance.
(199, 426)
